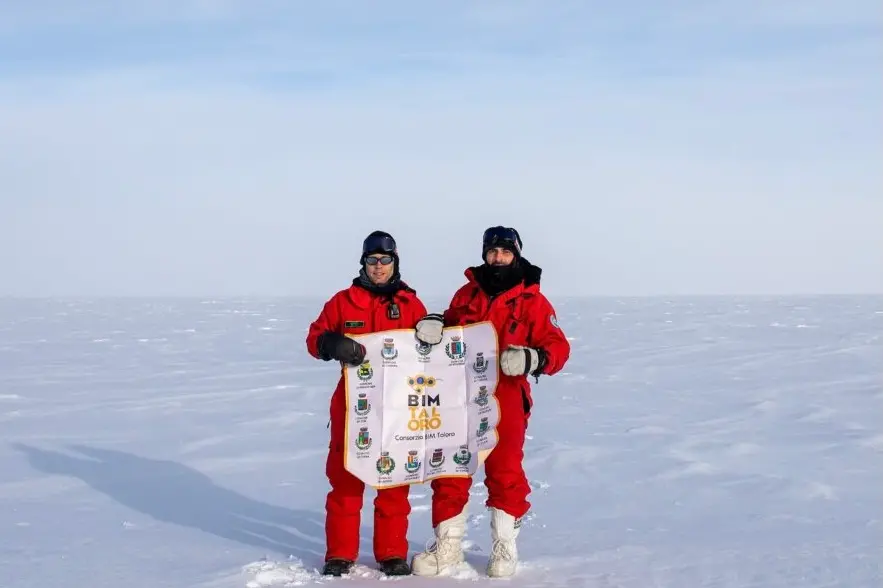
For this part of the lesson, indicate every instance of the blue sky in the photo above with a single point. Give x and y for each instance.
(227, 147)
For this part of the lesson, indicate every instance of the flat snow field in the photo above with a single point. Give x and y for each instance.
(689, 442)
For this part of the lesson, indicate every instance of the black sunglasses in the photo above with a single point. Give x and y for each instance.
(385, 260)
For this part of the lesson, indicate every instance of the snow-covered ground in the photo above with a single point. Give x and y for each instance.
(716, 442)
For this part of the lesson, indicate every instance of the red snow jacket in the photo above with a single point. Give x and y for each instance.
(356, 311)
(521, 315)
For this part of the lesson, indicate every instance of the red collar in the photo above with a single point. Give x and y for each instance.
(362, 298)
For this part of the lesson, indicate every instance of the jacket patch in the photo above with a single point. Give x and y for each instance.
(353, 324)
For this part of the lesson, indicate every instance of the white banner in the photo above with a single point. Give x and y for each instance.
(416, 412)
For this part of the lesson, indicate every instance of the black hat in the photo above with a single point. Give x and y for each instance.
(379, 242)
(501, 237)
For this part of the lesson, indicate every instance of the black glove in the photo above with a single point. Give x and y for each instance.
(335, 346)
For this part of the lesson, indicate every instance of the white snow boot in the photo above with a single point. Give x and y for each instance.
(446, 551)
(504, 553)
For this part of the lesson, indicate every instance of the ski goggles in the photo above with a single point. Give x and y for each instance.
(502, 237)
(385, 260)
(379, 244)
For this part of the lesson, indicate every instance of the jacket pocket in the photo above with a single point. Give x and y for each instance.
(526, 403)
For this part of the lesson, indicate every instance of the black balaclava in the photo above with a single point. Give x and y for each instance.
(495, 279)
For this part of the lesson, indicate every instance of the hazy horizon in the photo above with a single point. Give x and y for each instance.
(228, 149)
(433, 300)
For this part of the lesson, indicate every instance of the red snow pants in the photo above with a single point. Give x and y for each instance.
(343, 505)
(506, 483)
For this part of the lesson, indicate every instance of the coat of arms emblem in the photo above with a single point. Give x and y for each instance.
(423, 349)
(389, 350)
(456, 348)
(363, 407)
(385, 464)
(480, 364)
(413, 463)
(463, 455)
(482, 397)
(365, 371)
(437, 458)
(363, 440)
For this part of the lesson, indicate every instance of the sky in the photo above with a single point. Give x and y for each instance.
(235, 148)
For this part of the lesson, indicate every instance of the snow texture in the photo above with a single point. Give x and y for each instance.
(715, 442)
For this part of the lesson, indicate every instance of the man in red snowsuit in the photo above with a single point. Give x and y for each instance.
(377, 300)
(506, 291)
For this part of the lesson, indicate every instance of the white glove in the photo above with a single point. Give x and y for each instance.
(429, 329)
(519, 361)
